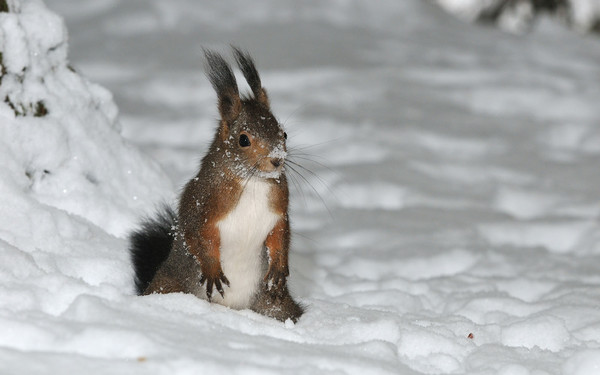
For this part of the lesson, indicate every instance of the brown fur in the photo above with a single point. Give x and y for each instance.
(213, 193)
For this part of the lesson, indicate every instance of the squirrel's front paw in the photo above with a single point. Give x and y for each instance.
(216, 281)
(275, 280)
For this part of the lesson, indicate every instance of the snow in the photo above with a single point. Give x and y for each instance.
(448, 222)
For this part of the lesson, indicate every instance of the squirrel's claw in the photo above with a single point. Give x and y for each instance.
(224, 279)
(219, 286)
(216, 282)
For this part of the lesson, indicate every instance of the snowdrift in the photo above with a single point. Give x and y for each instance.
(70, 185)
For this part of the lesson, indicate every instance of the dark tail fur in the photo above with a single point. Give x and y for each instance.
(150, 245)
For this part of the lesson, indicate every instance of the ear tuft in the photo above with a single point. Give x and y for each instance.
(248, 68)
(223, 81)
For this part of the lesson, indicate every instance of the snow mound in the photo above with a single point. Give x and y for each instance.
(70, 186)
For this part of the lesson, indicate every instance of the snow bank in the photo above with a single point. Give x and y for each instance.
(70, 186)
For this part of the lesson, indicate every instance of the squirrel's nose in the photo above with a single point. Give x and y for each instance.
(276, 162)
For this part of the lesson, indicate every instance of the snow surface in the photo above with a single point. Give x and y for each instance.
(448, 224)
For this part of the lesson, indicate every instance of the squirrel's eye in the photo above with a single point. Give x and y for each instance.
(244, 140)
(285, 135)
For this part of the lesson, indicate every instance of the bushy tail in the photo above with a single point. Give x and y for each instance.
(150, 245)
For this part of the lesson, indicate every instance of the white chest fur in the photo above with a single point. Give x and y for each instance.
(243, 232)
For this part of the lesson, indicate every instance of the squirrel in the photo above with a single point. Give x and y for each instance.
(232, 230)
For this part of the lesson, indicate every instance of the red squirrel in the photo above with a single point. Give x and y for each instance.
(232, 230)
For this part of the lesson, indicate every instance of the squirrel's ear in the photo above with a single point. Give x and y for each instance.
(223, 81)
(247, 67)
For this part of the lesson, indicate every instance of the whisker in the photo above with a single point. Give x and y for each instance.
(323, 182)
(311, 186)
(294, 150)
(313, 145)
(306, 237)
(305, 157)
(248, 175)
(308, 156)
(293, 113)
(297, 186)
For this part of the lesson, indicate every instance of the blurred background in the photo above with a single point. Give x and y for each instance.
(520, 15)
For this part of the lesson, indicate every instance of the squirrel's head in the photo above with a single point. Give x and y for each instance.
(252, 139)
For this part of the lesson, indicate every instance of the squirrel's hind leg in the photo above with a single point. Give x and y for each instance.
(179, 273)
(162, 284)
(280, 306)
